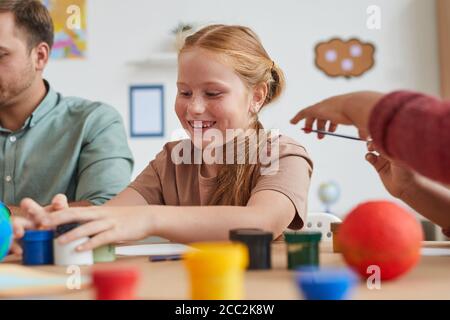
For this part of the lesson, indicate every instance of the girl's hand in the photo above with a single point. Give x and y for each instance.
(32, 221)
(396, 178)
(104, 224)
(19, 224)
(348, 109)
(37, 213)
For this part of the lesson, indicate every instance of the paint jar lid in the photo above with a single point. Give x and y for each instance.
(302, 236)
(64, 228)
(334, 226)
(325, 283)
(116, 276)
(216, 256)
(117, 282)
(251, 236)
(38, 235)
(233, 232)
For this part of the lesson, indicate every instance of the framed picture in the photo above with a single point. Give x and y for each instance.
(147, 111)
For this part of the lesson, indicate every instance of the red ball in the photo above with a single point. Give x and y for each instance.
(383, 234)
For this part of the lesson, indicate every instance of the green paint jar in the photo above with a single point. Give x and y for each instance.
(105, 253)
(302, 248)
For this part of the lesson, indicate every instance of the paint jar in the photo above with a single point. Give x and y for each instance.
(302, 248)
(233, 232)
(335, 230)
(66, 254)
(115, 283)
(216, 270)
(258, 243)
(106, 253)
(37, 247)
(325, 283)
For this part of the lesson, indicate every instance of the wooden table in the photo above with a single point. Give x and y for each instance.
(430, 279)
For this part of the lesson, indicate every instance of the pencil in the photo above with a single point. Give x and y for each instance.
(333, 134)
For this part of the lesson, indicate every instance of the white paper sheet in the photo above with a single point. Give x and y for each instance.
(152, 249)
(438, 252)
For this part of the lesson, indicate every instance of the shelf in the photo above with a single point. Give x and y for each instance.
(168, 59)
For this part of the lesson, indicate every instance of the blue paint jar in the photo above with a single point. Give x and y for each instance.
(37, 247)
(325, 283)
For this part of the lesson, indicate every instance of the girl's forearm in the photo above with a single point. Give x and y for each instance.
(431, 200)
(208, 223)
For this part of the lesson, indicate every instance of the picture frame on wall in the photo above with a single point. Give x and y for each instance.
(146, 111)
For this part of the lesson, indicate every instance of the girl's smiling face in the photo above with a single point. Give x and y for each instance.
(210, 95)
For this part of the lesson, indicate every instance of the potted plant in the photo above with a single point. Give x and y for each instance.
(181, 31)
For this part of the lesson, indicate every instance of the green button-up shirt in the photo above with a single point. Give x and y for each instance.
(68, 145)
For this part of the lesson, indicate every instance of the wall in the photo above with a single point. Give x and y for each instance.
(406, 57)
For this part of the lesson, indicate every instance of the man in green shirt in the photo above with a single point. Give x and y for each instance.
(51, 144)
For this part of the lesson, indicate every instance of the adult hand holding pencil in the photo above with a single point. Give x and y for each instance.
(348, 109)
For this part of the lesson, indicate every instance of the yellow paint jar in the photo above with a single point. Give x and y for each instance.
(216, 270)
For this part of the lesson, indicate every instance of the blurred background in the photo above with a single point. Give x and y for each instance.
(131, 43)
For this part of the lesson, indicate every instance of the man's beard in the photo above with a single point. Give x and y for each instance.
(9, 93)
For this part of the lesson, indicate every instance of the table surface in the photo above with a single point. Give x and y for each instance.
(430, 279)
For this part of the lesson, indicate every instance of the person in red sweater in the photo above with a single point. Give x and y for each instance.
(409, 143)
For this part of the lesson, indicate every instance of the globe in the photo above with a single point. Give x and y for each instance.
(329, 193)
(6, 231)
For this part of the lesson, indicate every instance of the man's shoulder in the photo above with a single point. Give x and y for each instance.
(85, 109)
